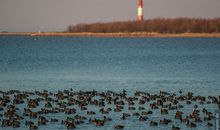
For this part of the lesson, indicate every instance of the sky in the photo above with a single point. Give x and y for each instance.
(57, 15)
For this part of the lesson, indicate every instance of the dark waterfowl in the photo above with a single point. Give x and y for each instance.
(48, 105)
(117, 109)
(118, 127)
(107, 118)
(164, 111)
(136, 114)
(103, 111)
(175, 128)
(146, 113)
(165, 121)
(125, 115)
(178, 114)
(141, 108)
(15, 124)
(54, 120)
(99, 122)
(143, 118)
(6, 123)
(33, 114)
(190, 124)
(91, 113)
(42, 120)
(153, 123)
(209, 124)
(70, 125)
(33, 127)
(104, 102)
(131, 108)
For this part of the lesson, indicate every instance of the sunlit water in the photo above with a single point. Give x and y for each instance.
(84, 63)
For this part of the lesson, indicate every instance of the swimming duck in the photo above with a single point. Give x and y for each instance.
(153, 123)
(163, 111)
(32, 127)
(190, 124)
(209, 124)
(175, 127)
(118, 127)
(91, 113)
(165, 121)
(143, 118)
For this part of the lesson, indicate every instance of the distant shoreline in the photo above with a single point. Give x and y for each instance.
(134, 34)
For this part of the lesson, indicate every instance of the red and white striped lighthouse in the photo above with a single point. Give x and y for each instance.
(140, 10)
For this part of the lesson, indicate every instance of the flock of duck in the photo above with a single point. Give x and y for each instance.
(75, 106)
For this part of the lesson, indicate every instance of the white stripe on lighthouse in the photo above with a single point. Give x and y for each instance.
(140, 11)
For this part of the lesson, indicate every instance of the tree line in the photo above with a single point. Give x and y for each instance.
(157, 25)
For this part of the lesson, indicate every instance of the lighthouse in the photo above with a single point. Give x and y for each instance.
(140, 10)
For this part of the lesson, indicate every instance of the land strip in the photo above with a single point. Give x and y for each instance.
(133, 34)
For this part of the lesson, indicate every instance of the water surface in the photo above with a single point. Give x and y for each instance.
(87, 63)
(116, 63)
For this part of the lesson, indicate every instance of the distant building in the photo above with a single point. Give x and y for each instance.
(140, 10)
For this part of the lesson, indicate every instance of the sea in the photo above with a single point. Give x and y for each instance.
(152, 65)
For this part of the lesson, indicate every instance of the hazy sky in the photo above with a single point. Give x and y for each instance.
(56, 15)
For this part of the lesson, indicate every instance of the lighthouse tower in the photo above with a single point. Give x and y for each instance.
(140, 10)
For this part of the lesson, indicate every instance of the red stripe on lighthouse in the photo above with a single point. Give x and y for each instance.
(140, 10)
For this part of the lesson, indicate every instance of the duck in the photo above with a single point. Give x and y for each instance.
(143, 118)
(107, 119)
(125, 115)
(178, 114)
(183, 119)
(33, 115)
(117, 109)
(6, 123)
(131, 108)
(15, 124)
(54, 120)
(153, 123)
(207, 118)
(103, 111)
(28, 123)
(83, 108)
(197, 119)
(188, 102)
(209, 124)
(48, 105)
(118, 127)
(141, 108)
(69, 111)
(190, 124)
(146, 113)
(32, 103)
(70, 125)
(91, 113)
(141, 102)
(78, 117)
(136, 114)
(153, 106)
(163, 111)
(165, 121)
(42, 120)
(109, 109)
(99, 122)
(10, 111)
(175, 127)
(32, 127)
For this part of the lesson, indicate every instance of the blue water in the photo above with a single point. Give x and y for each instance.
(87, 63)
(117, 63)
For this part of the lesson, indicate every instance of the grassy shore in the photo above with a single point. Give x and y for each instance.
(133, 34)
